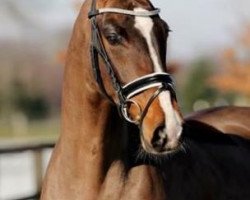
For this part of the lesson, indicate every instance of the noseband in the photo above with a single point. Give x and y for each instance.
(161, 81)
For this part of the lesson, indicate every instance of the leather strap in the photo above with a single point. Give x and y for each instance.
(146, 82)
(95, 12)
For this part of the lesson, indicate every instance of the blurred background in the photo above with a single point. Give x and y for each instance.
(208, 53)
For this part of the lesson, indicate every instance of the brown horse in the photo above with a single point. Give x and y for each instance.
(91, 144)
(228, 119)
(99, 154)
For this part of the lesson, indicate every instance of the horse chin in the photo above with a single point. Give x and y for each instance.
(170, 148)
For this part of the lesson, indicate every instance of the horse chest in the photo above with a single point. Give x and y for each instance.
(141, 182)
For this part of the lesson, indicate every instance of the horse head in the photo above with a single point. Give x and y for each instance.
(128, 56)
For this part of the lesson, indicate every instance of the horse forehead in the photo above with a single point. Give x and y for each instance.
(118, 4)
(144, 24)
(127, 4)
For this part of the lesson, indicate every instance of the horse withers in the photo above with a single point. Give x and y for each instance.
(227, 119)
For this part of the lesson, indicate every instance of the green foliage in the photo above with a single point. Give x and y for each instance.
(1, 101)
(196, 86)
(33, 106)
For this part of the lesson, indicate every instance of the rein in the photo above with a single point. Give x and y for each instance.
(162, 81)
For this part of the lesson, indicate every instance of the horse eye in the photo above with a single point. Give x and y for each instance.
(114, 39)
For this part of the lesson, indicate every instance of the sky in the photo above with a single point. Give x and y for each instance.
(202, 26)
(199, 26)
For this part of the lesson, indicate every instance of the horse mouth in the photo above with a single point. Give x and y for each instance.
(165, 148)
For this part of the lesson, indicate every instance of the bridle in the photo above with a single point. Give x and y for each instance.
(162, 81)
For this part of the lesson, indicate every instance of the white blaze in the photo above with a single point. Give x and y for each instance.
(172, 119)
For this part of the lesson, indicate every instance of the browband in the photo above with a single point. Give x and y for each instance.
(142, 13)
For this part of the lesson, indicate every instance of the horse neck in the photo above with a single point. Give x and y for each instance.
(92, 150)
(88, 129)
(89, 121)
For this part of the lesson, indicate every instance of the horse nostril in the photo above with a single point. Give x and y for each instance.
(159, 139)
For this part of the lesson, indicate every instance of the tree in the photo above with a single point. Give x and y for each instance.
(234, 74)
(195, 87)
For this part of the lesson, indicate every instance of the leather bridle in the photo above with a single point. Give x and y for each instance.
(161, 81)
